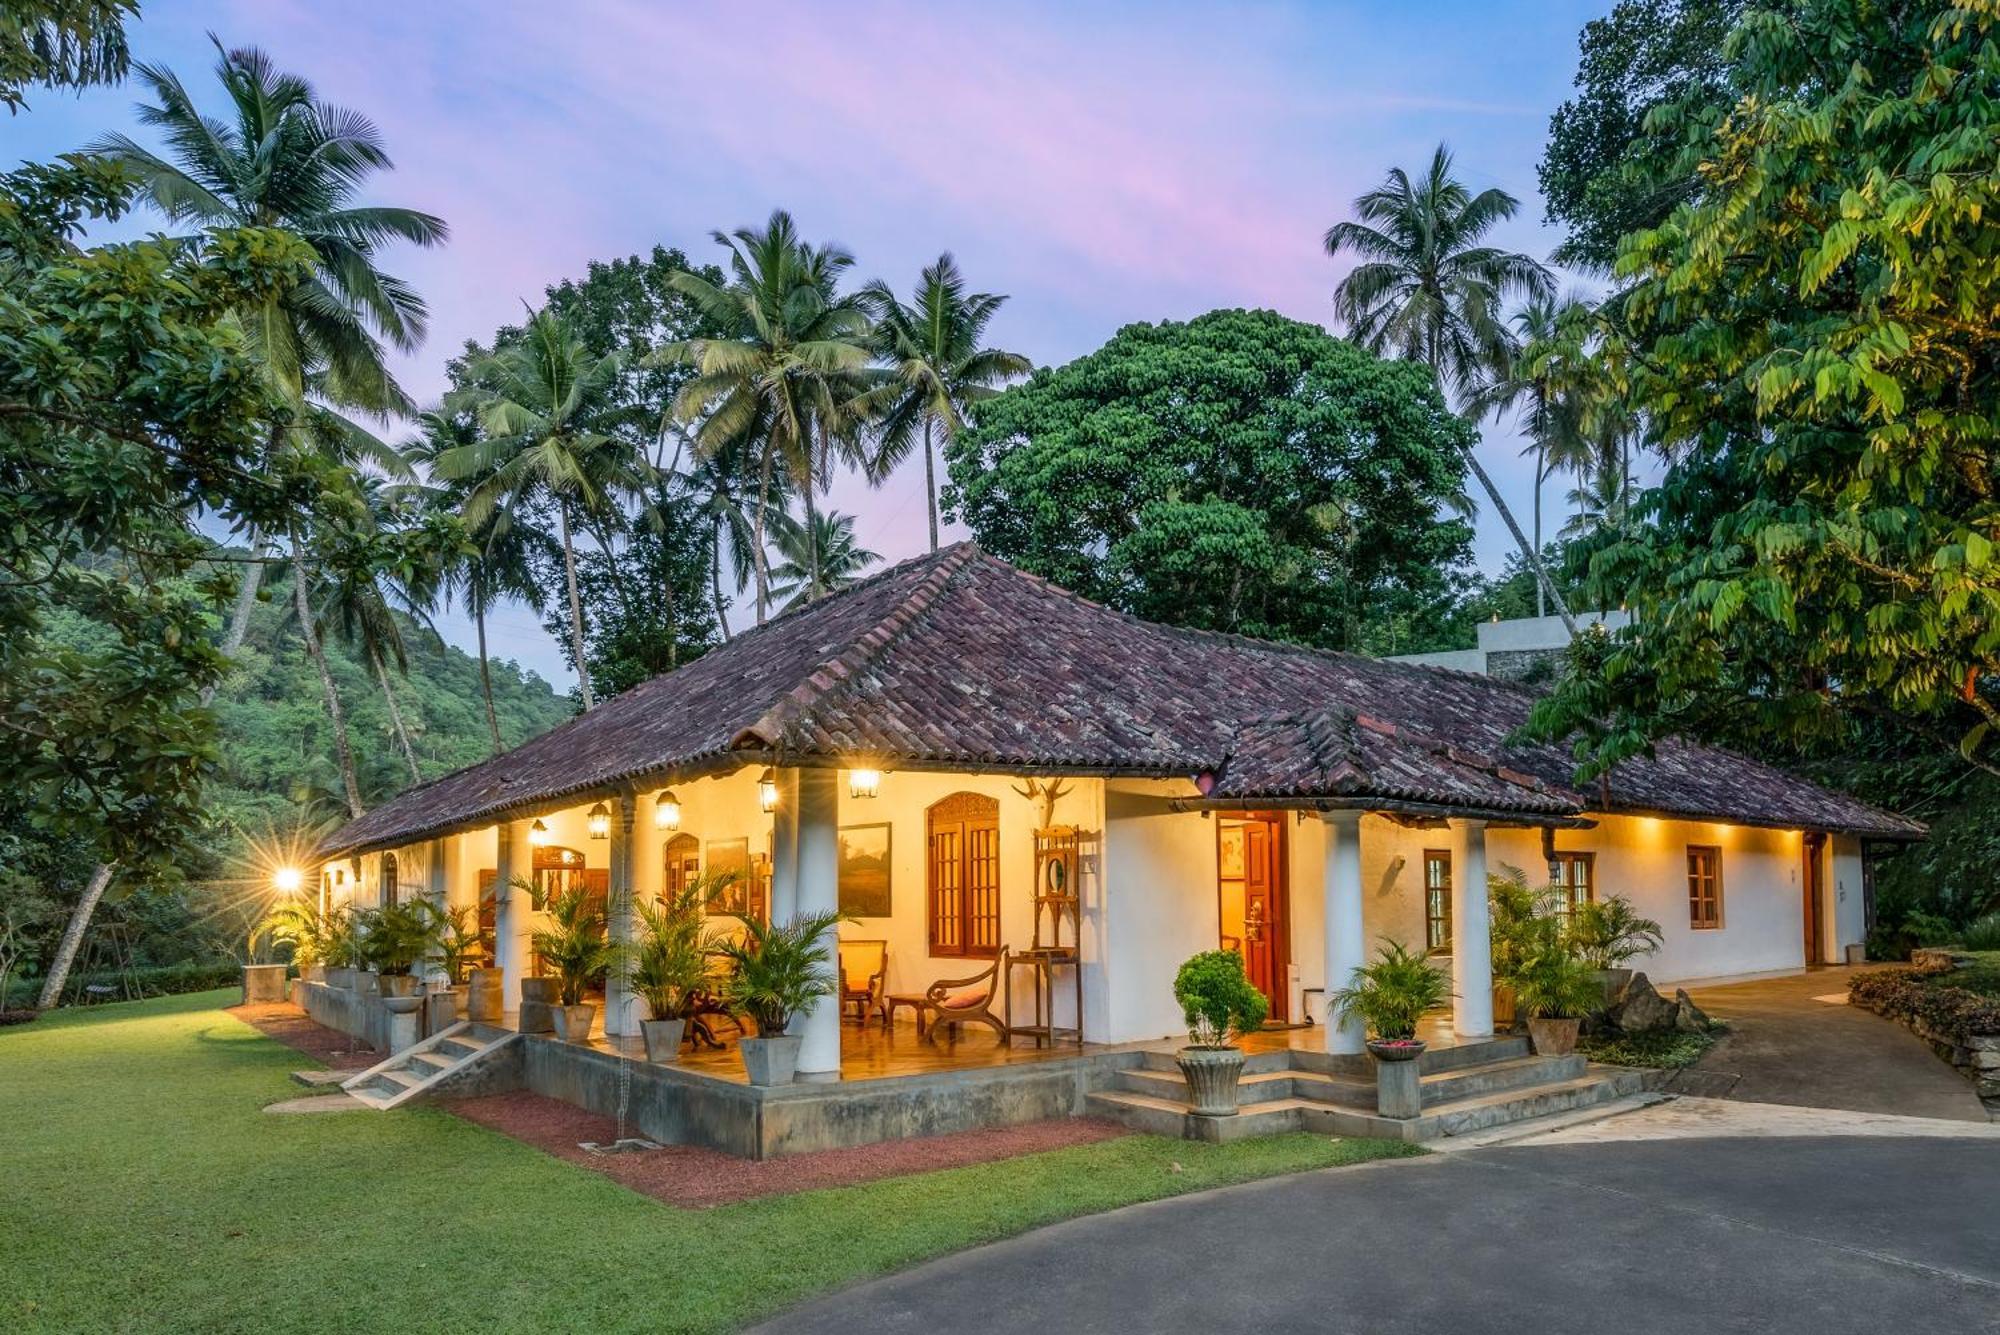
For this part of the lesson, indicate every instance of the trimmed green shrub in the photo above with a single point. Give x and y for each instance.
(1216, 998)
(156, 981)
(1952, 1013)
(1983, 934)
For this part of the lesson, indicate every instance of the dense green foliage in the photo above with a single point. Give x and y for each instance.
(1601, 176)
(63, 43)
(1390, 993)
(1216, 998)
(1813, 341)
(1239, 472)
(1660, 1049)
(286, 1223)
(1940, 1002)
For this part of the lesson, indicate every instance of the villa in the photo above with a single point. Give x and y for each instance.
(968, 760)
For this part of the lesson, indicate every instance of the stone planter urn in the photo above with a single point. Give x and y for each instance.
(343, 977)
(263, 983)
(1398, 1077)
(538, 1002)
(573, 1022)
(1211, 1075)
(403, 1024)
(313, 973)
(483, 996)
(770, 1061)
(663, 1039)
(397, 984)
(1553, 1038)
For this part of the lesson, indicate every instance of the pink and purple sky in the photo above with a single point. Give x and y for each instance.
(1101, 164)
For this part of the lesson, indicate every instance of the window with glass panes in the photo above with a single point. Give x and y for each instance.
(1437, 899)
(1576, 874)
(1704, 887)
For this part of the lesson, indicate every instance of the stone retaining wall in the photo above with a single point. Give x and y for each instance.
(1975, 1055)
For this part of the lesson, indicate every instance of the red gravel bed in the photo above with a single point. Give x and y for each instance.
(695, 1178)
(289, 1025)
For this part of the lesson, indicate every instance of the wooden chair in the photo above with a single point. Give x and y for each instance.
(864, 977)
(973, 1000)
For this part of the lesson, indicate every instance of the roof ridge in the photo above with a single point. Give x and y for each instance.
(769, 727)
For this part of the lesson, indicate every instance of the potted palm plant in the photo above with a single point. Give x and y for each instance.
(343, 948)
(1607, 934)
(777, 971)
(669, 965)
(1389, 995)
(461, 944)
(309, 932)
(1520, 917)
(1219, 1005)
(395, 939)
(576, 945)
(1555, 990)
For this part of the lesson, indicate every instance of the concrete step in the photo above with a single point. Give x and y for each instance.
(458, 1048)
(1251, 1088)
(442, 1057)
(1254, 1063)
(1473, 1082)
(1170, 1117)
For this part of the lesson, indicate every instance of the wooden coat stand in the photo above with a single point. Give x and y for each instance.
(1058, 934)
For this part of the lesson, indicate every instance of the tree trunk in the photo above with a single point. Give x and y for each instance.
(485, 670)
(72, 937)
(1541, 592)
(813, 589)
(1534, 557)
(715, 584)
(930, 482)
(395, 714)
(763, 570)
(317, 652)
(575, 610)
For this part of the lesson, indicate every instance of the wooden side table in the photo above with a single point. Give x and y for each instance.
(892, 1002)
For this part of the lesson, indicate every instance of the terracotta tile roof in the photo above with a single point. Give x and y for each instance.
(960, 661)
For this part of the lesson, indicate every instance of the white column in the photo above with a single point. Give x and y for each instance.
(621, 1003)
(818, 808)
(434, 890)
(1471, 933)
(1346, 948)
(785, 848)
(511, 910)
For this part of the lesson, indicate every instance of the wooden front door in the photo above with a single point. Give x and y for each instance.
(1266, 949)
(1812, 880)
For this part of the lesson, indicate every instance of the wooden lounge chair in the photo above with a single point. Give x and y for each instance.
(962, 1001)
(864, 976)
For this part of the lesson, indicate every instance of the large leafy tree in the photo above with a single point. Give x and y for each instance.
(937, 368)
(786, 377)
(1601, 174)
(63, 43)
(1814, 341)
(1241, 471)
(1426, 288)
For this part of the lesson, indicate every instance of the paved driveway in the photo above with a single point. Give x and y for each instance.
(1788, 1045)
(1818, 1234)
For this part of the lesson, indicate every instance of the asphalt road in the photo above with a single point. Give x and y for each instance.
(1817, 1236)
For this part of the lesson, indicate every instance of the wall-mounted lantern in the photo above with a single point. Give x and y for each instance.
(598, 822)
(666, 810)
(767, 791)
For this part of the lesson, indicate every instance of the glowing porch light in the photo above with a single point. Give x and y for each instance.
(666, 810)
(538, 834)
(864, 782)
(767, 791)
(598, 822)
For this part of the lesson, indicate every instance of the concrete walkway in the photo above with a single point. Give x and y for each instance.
(1791, 1235)
(1796, 1041)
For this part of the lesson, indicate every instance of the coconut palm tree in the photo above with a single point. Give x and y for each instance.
(937, 368)
(785, 381)
(819, 556)
(1602, 497)
(1546, 382)
(536, 400)
(282, 158)
(1426, 290)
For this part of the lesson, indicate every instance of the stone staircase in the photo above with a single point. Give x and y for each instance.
(1467, 1088)
(443, 1057)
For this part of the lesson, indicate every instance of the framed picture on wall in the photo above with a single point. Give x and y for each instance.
(1231, 852)
(730, 858)
(864, 871)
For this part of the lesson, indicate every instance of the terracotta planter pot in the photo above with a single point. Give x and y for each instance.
(397, 984)
(573, 1022)
(1211, 1075)
(1553, 1038)
(663, 1039)
(770, 1061)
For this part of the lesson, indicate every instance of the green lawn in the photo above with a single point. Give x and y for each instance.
(146, 1190)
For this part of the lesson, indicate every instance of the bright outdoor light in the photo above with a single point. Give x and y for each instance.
(863, 782)
(287, 880)
(538, 834)
(666, 810)
(767, 791)
(599, 821)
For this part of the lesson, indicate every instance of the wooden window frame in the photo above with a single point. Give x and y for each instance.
(1697, 901)
(1566, 858)
(674, 872)
(392, 880)
(1437, 916)
(962, 876)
